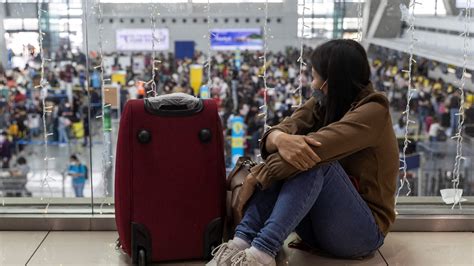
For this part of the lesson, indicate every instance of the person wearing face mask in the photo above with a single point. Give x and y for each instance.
(329, 170)
(78, 172)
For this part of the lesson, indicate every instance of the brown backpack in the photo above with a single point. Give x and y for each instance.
(234, 183)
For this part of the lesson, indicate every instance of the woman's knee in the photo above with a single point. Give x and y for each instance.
(323, 170)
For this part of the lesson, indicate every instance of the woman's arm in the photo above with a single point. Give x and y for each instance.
(271, 141)
(357, 130)
(294, 149)
(300, 123)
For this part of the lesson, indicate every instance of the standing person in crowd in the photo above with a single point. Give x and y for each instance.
(435, 131)
(454, 104)
(399, 127)
(424, 105)
(5, 150)
(85, 114)
(34, 123)
(124, 96)
(78, 172)
(63, 125)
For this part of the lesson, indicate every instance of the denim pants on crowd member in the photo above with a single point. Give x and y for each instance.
(63, 136)
(321, 205)
(78, 189)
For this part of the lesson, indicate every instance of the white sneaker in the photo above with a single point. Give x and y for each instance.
(223, 254)
(245, 258)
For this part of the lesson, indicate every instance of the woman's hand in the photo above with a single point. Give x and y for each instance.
(247, 190)
(296, 150)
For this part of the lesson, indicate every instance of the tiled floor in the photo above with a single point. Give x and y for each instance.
(98, 248)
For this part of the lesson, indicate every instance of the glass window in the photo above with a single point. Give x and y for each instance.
(431, 7)
(13, 24)
(30, 24)
(84, 104)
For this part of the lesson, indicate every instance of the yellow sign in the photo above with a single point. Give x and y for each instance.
(237, 142)
(119, 77)
(196, 76)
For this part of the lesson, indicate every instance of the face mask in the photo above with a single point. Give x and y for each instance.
(320, 96)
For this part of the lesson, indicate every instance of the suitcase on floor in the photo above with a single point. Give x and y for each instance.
(169, 179)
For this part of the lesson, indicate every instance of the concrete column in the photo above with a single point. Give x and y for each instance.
(3, 44)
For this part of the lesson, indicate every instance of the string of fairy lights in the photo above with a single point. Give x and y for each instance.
(359, 21)
(106, 128)
(460, 115)
(410, 93)
(152, 82)
(47, 110)
(300, 60)
(209, 50)
(264, 107)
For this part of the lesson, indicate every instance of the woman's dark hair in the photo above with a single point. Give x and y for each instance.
(344, 65)
(74, 157)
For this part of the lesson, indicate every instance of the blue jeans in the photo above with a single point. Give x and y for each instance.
(78, 189)
(321, 205)
(63, 138)
(34, 132)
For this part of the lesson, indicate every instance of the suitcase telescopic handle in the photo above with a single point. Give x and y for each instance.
(175, 104)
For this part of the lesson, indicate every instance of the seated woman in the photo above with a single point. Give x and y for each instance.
(304, 185)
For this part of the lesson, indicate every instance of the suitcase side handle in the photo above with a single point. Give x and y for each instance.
(175, 104)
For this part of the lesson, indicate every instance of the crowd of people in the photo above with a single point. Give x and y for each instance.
(434, 104)
(237, 87)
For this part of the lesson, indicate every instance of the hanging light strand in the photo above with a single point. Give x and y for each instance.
(460, 115)
(152, 82)
(406, 113)
(43, 86)
(209, 52)
(359, 21)
(264, 107)
(106, 158)
(300, 60)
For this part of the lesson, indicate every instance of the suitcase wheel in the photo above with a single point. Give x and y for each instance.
(212, 237)
(141, 244)
(141, 257)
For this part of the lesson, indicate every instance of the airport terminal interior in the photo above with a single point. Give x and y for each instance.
(68, 69)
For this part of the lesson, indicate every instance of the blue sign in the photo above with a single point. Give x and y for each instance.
(96, 82)
(204, 92)
(233, 39)
(238, 137)
(184, 49)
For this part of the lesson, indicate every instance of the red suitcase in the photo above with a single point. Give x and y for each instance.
(169, 178)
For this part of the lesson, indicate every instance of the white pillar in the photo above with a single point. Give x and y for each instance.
(3, 44)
